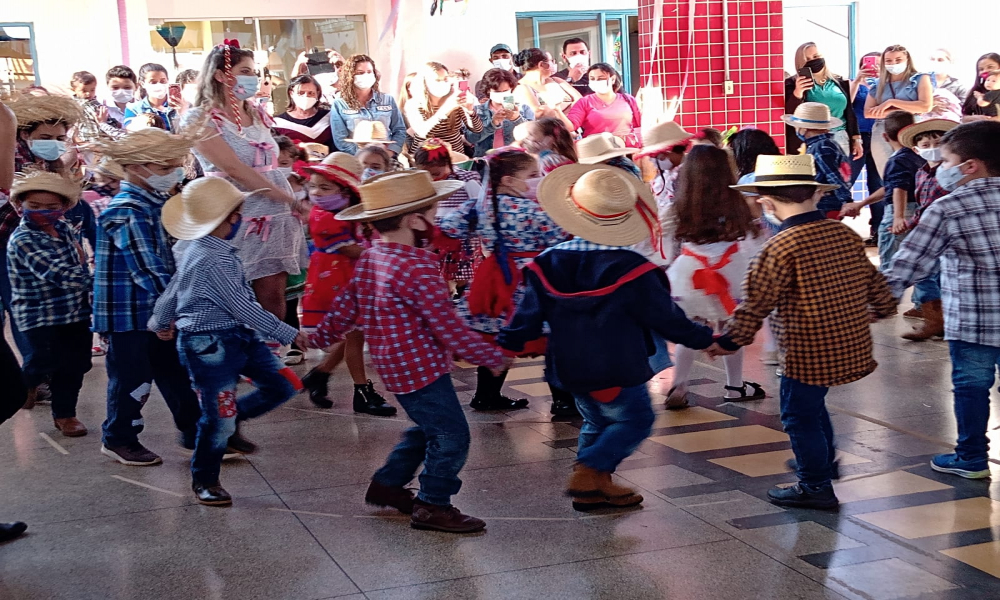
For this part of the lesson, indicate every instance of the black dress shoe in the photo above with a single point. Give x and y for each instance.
(498, 402)
(9, 531)
(240, 444)
(370, 402)
(798, 496)
(211, 495)
(316, 382)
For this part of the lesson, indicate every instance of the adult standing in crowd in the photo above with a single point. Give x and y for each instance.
(862, 86)
(542, 94)
(986, 64)
(608, 109)
(576, 55)
(270, 241)
(899, 87)
(361, 100)
(498, 113)
(942, 64)
(501, 57)
(439, 110)
(826, 88)
(306, 120)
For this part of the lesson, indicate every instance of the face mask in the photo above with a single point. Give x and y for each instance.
(365, 81)
(498, 97)
(665, 164)
(246, 86)
(600, 86)
(157, 91)
(369, 173)
(43, 218)
(532, 191)
(816, 65)
(771, 218)
(189, 94)
(503, 63)
(122, 96)
(930, 154)
(422, 237)
(578, 60)
(898, 69)
(164, 183)
(304, 102)
(105, 191)
(327, 79)
(800, 135)
(333, 202)
(301, 195)
(47, 149)
(286, 172)
(234, 229)
(439, 89)
(949, 178)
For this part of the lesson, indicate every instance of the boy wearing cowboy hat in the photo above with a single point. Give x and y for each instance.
(398, 298)
(604, 304)
(219, 324)
(815, 274)
(50, 285)
(812, 123)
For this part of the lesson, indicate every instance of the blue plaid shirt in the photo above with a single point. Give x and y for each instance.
(832, 167)
(133, 262)
(210, 293)
(49, 281)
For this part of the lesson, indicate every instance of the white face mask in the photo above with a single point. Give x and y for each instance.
(771, 218)
(301, 195)
(439, 89)
(578, 60)
(503, 63)
(930, 154)
(304, 102)
(897, 69)
(189, 94)
(498, 97)
(600, 86)
(157, 91)
(327, 79)
(286, 172)
(122, 96)
(365, 81)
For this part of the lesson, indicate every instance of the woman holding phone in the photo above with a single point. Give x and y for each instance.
(813, 82)
(498, 113)
(439, 109)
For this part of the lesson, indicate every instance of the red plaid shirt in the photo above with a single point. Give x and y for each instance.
(397, 296)
(927, 191)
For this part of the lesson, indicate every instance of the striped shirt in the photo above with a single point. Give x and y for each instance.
(210, 293)
(450, 130)
(49, 281)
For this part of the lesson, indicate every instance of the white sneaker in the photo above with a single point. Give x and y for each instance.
(294, 357)
(770, 358)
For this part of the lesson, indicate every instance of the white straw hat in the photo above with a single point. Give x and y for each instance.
(601, 147)
(781, 171)
(201, 206)
(812, 115)
(398, 193)
(599, 203)
(662, 137)
(370, 132)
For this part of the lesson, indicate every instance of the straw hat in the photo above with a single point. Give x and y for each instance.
(341, 168)
(44, 181)
(201, 207)
(38, 109)
(782, 171)
(370, 132)
(110, 168)
(315, 152)
(812, 115)
(148, 146)
(600, 147)
(599, 203)
(662, 137)
(909, 132)
(398, 193)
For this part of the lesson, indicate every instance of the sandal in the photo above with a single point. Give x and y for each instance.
(758, 392)
(676, 401)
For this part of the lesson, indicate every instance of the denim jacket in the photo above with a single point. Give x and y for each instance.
(483, 140)
(382, 107)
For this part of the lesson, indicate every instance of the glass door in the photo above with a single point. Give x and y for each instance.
(830, 26)
(18, 59)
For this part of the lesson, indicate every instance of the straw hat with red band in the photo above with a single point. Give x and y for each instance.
(202, 206)
(661, 138)
(601, 204)
(341, 168)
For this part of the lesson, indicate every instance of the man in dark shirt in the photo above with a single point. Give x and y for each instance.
(501, 57)
(576, 54)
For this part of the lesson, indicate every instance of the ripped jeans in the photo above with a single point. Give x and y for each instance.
(215, 360)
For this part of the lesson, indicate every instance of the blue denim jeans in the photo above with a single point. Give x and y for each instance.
(60, 355)
(929, 289)
(973, 372)
(215, 361)
(807, 423)
(135, 360)
(613, 430)
(888, 242)
(440, 440)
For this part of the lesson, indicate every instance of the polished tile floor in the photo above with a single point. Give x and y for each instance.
(299, 529)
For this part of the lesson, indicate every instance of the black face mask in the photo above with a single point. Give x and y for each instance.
(816, 65)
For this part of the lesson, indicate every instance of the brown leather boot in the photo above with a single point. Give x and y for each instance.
(584, 482)
(382, 495)
(612, 490)
(71, 427)
(933, 324)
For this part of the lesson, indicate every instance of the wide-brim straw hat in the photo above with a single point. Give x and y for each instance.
(774, 171)
(599, 203)
(341, 168)
(315, 152)
(110, 168)
(812, 115)
(601, 147)
(149, 146)
(201, 206)
(909, 132)
(44, 181)
(39, 109)
(398, 193)
(662, 137)
(370, 132)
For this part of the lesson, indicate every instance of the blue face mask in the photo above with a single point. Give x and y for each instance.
(235, 229)
(949, 178)
(369, 173)
(246, 86)
(165, 183)
(800, 135)
(47, 149)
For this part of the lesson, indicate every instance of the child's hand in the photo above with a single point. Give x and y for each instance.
(715, 351)
(167, 334)
(302, 340)
(899, 226)
(851, 209)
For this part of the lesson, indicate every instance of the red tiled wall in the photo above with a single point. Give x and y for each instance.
(755, 62)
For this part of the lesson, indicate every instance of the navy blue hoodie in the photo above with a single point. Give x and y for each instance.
(602, 307)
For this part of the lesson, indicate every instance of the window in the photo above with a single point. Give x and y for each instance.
(18, 59)
(830, 26)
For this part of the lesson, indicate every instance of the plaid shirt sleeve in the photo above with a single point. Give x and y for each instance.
(765, 283)
(136, 238)
(917, 255)
(341, 320)
(833, 168)
(57, 269)
(228, 285)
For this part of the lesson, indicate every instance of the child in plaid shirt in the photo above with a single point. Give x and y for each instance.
(814, 274)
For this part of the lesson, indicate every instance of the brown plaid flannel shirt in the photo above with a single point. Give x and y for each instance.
(816, 274)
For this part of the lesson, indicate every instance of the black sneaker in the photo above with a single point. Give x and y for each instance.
(240, 444)
(133, 455)
(792, 464)
(798, 496)
(9, 531)
(316, 382)
(211, 495)
(368, 401)
(564, 407)
(872, 242)
(498, 402)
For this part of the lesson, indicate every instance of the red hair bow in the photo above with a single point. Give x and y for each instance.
(300, 168)
(435, 149)
(231, 43)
